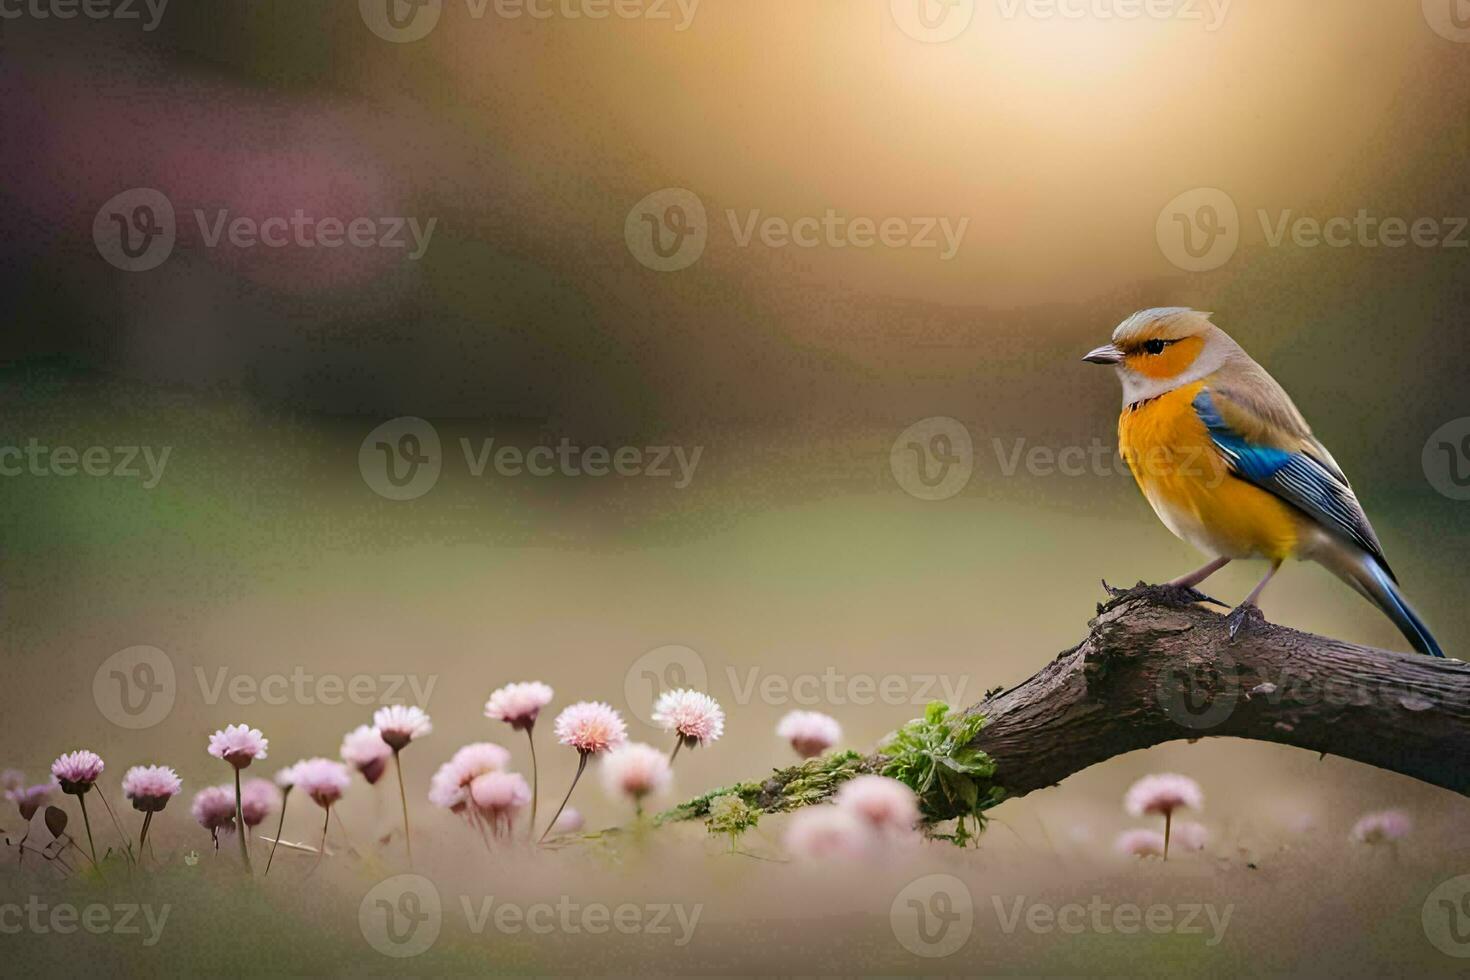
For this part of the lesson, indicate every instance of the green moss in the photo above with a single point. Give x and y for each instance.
(935, 756)
(786, 789)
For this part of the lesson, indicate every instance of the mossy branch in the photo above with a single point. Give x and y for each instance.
(1156, 667)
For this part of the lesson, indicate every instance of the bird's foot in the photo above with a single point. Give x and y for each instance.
(1247, 613)
(1195, 595)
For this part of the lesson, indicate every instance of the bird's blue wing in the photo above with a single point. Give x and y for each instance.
(1298, 477)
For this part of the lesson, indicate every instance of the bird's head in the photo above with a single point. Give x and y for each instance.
(1158, 350)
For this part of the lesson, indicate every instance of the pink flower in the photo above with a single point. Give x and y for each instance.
(695, 716)
(810, 732)
(518, 704)
(449, 787)
(591, 727)
(1140, 843)
(150, 787)
(635, 770)
(239, 745)
(77, 771)
(820, 833)
(886, 805)
(1384, 826)
(363, 748)
(569, 822)
(214, 808)
(259, 798)
(445, 792)
(324, 780)
(286, 778)
(28, 799)
(1190, 835)
(12, 779)
(497, 796)
(400, 724)
(1163, 794)
(479, 757)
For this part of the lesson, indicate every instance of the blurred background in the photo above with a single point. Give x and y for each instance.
(763, 238)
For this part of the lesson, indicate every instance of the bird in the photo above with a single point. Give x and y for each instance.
(1230, 466)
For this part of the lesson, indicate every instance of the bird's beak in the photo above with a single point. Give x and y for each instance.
(1106, 354)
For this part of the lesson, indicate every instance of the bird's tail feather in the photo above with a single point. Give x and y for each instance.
(1366, 574)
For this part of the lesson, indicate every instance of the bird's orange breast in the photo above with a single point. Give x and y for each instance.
(1170, 453)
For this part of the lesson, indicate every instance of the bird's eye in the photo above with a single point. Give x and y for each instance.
(1155, 346)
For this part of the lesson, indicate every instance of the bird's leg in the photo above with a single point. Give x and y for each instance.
(1187, 583)
(1198, 575)
(1238, 616)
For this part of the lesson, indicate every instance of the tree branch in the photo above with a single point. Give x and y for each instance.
(1156, 667)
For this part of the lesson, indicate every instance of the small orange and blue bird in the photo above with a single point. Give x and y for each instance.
(1230, 466)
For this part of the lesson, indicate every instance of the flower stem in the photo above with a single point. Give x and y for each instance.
(403, 798)
(240, 830)
(143, 836)
(127, 844)
(82, 799)
(280, 825)
(678, 744)
(535, 781)
(581, 765)
(326, 822)
(351, 847)
(1168, 819)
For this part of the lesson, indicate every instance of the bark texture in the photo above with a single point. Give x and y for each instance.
(1156, 667)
